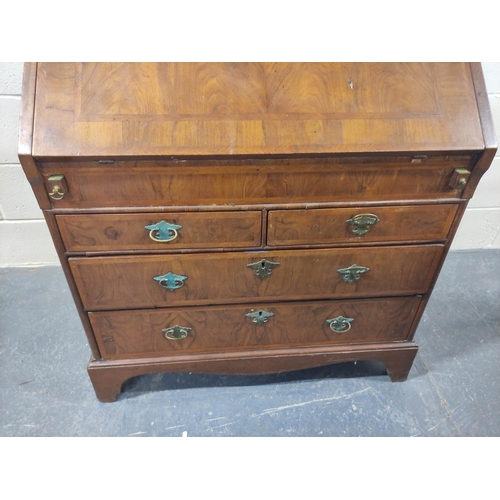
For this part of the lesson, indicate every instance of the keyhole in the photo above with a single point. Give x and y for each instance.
(263, 265)
(260, 313)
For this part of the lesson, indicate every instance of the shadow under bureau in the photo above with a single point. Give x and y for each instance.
(249, 218)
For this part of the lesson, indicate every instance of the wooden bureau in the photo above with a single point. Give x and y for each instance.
(248, 218)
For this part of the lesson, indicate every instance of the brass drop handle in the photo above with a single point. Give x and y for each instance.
(176, 332)
(362, 223)
(58, 185)
(56, 193)
(340, 324)
(163, 232)
(171, 281)
(353, 273)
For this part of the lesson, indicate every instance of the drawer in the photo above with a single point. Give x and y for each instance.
(122, 334)
(160, 231)
(361, 224)
(150, 184)
(196, 279)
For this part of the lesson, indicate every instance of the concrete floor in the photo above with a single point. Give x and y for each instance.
(453, 388)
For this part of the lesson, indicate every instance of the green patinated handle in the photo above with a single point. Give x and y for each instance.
(362, 223)
(176, 332)
(353, 273)
(165, 231)
(171, 281)
(340, 324)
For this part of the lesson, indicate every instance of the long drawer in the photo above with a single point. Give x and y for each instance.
(360, 224)
(122, 334)
(195, 279)
(157, 231)
(150, 184)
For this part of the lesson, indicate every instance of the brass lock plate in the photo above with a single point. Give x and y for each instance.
(263, 268)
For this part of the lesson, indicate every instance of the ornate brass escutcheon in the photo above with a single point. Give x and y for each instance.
(352, 273)
(176, 332)
(263, 268)
(260, 317)
(340, 324)
(362, 223)
(165, 231)
(171, 281)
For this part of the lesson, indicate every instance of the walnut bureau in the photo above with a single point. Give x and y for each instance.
(249, 218)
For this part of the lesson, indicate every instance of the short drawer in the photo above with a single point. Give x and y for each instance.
(160, 231)
(356, 225)
(122, 334)
(196, 279)
(245, 182)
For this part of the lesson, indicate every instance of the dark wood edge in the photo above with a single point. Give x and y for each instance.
(488, 130)
(267, 301)
(267, 248)
(56, 238)
(25, 141)
(375, 154)
(108, 376)
(255, 207)
(166, 251)
(355, 349)
(356, 244)
(264, 227)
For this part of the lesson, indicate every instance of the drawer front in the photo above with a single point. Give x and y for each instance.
(122, 334)
(160, 231)
(362, 224)
(195, 279)
(302, 182)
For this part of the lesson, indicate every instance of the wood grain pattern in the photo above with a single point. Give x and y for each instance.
(245, 182)
(246, 154)
(127, 282)
(107, 232)
(182, 109)
(107, 376)
(328, 226)
(139, 333)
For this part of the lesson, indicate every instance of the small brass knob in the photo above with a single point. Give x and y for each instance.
(459, 178)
